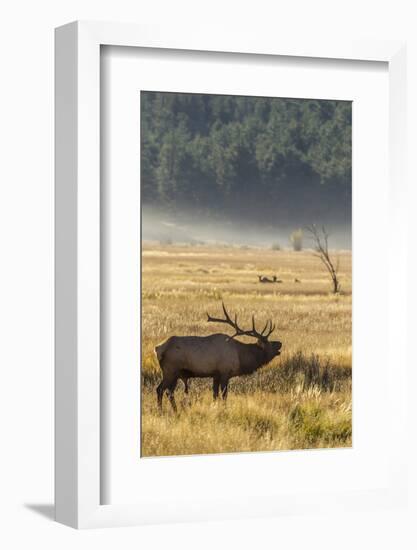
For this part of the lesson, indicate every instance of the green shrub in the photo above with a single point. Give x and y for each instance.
(296, 239)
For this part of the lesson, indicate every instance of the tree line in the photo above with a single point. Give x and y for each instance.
(267, 159)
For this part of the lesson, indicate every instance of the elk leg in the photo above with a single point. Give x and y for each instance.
(160, 393)
(167, 384)
(171, 397)
(224, 387)
(216, 383)
(187, 400)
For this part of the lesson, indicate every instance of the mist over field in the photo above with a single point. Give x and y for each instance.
(186, 227)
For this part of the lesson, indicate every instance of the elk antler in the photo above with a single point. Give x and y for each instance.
(239, 332)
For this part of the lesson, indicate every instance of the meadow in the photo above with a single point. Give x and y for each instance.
(301, 400)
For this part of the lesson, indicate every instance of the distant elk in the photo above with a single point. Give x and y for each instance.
(274, 279)
(217, 356)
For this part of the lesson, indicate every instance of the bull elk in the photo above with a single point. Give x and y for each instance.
(217, 356)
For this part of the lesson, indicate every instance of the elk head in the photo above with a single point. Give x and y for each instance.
(271, 349)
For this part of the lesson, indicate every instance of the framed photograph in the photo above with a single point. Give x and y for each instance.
(230, 338)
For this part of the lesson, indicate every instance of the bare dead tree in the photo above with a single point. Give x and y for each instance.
(321, 246)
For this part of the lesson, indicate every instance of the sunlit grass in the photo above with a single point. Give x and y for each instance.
(301, 400)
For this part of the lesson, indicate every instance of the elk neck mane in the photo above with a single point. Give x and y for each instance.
(251, 357)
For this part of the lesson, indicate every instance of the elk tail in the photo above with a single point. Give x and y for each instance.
(160, 351)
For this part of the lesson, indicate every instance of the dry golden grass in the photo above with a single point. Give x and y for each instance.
(301, 400)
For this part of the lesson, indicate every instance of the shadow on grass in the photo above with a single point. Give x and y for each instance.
(298, 370)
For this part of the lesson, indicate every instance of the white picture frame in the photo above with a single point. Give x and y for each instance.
(78, 410)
